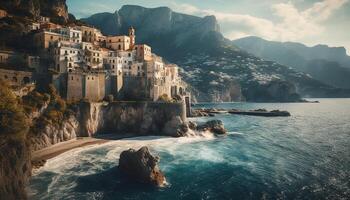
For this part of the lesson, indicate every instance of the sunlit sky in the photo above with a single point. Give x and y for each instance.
(307, 21)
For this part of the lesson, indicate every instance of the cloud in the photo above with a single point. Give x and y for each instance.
(292, 24)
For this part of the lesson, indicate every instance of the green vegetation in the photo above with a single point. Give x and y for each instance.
(56, 112)
(166, 99)
(13, 121)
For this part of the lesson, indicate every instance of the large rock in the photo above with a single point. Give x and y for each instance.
(175, 127)
(141, 166)
(214, 126)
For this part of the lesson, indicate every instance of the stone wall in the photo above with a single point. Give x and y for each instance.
(135, 88)
(16, 78)
(74, 87)
(94, 87)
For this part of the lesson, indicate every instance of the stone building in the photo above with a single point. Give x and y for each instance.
(16, 77)
(121, 43)
(92, 66)
(5, 56)
(74, 86)
(92, 35)
(33, 26)
(45, 39)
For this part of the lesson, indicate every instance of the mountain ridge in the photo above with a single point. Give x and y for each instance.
(327, 64)
(191, 42)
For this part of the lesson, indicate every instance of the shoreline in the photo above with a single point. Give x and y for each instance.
(40, 157)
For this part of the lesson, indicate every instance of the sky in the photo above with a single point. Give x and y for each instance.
(310, 22)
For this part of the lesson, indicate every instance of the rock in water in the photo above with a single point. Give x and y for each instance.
(141, 166)
(214, 126)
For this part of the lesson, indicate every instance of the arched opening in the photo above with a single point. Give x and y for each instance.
(14, 79)
(119, 47)
(26, 80)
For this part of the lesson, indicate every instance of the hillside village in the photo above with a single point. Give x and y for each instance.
(82, 63)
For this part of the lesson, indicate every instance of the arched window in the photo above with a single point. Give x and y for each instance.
(119, 47)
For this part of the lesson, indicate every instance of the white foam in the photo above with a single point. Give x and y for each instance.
(70, 159)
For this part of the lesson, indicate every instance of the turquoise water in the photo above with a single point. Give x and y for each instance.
(306, 156)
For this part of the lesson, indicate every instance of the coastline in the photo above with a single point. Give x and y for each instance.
(40, 157)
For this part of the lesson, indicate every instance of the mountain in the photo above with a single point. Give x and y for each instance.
(57, 10)
(215, 69)
(330, 65)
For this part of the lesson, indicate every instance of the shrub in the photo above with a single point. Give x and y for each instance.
(12, 119)
(165, 98)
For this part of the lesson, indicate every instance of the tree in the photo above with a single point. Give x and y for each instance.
(13, 121)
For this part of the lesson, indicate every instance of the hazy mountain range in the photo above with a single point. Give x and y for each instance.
(330, 65)
(216, 69)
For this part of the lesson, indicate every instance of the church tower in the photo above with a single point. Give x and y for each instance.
(132, 37)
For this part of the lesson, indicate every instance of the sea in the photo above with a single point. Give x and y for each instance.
(305, 156)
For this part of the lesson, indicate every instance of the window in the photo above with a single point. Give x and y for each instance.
(72, 78)
(129, 54)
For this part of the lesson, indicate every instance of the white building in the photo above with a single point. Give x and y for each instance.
(68, 56)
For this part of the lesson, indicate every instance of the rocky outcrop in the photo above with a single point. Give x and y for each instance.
(137, 118)
(140, 118)
(56, 9)
(214, 126)
(52, 134)
(141, 166)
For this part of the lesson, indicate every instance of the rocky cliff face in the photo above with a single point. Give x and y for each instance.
(56, 9)
(52, 134)
(139, 118)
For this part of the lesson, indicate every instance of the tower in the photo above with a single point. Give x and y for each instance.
(132, 37)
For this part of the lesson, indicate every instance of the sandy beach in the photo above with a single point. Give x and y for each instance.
(39, 157)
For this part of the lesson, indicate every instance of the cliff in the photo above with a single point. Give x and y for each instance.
(55, 9)
(90, 119)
